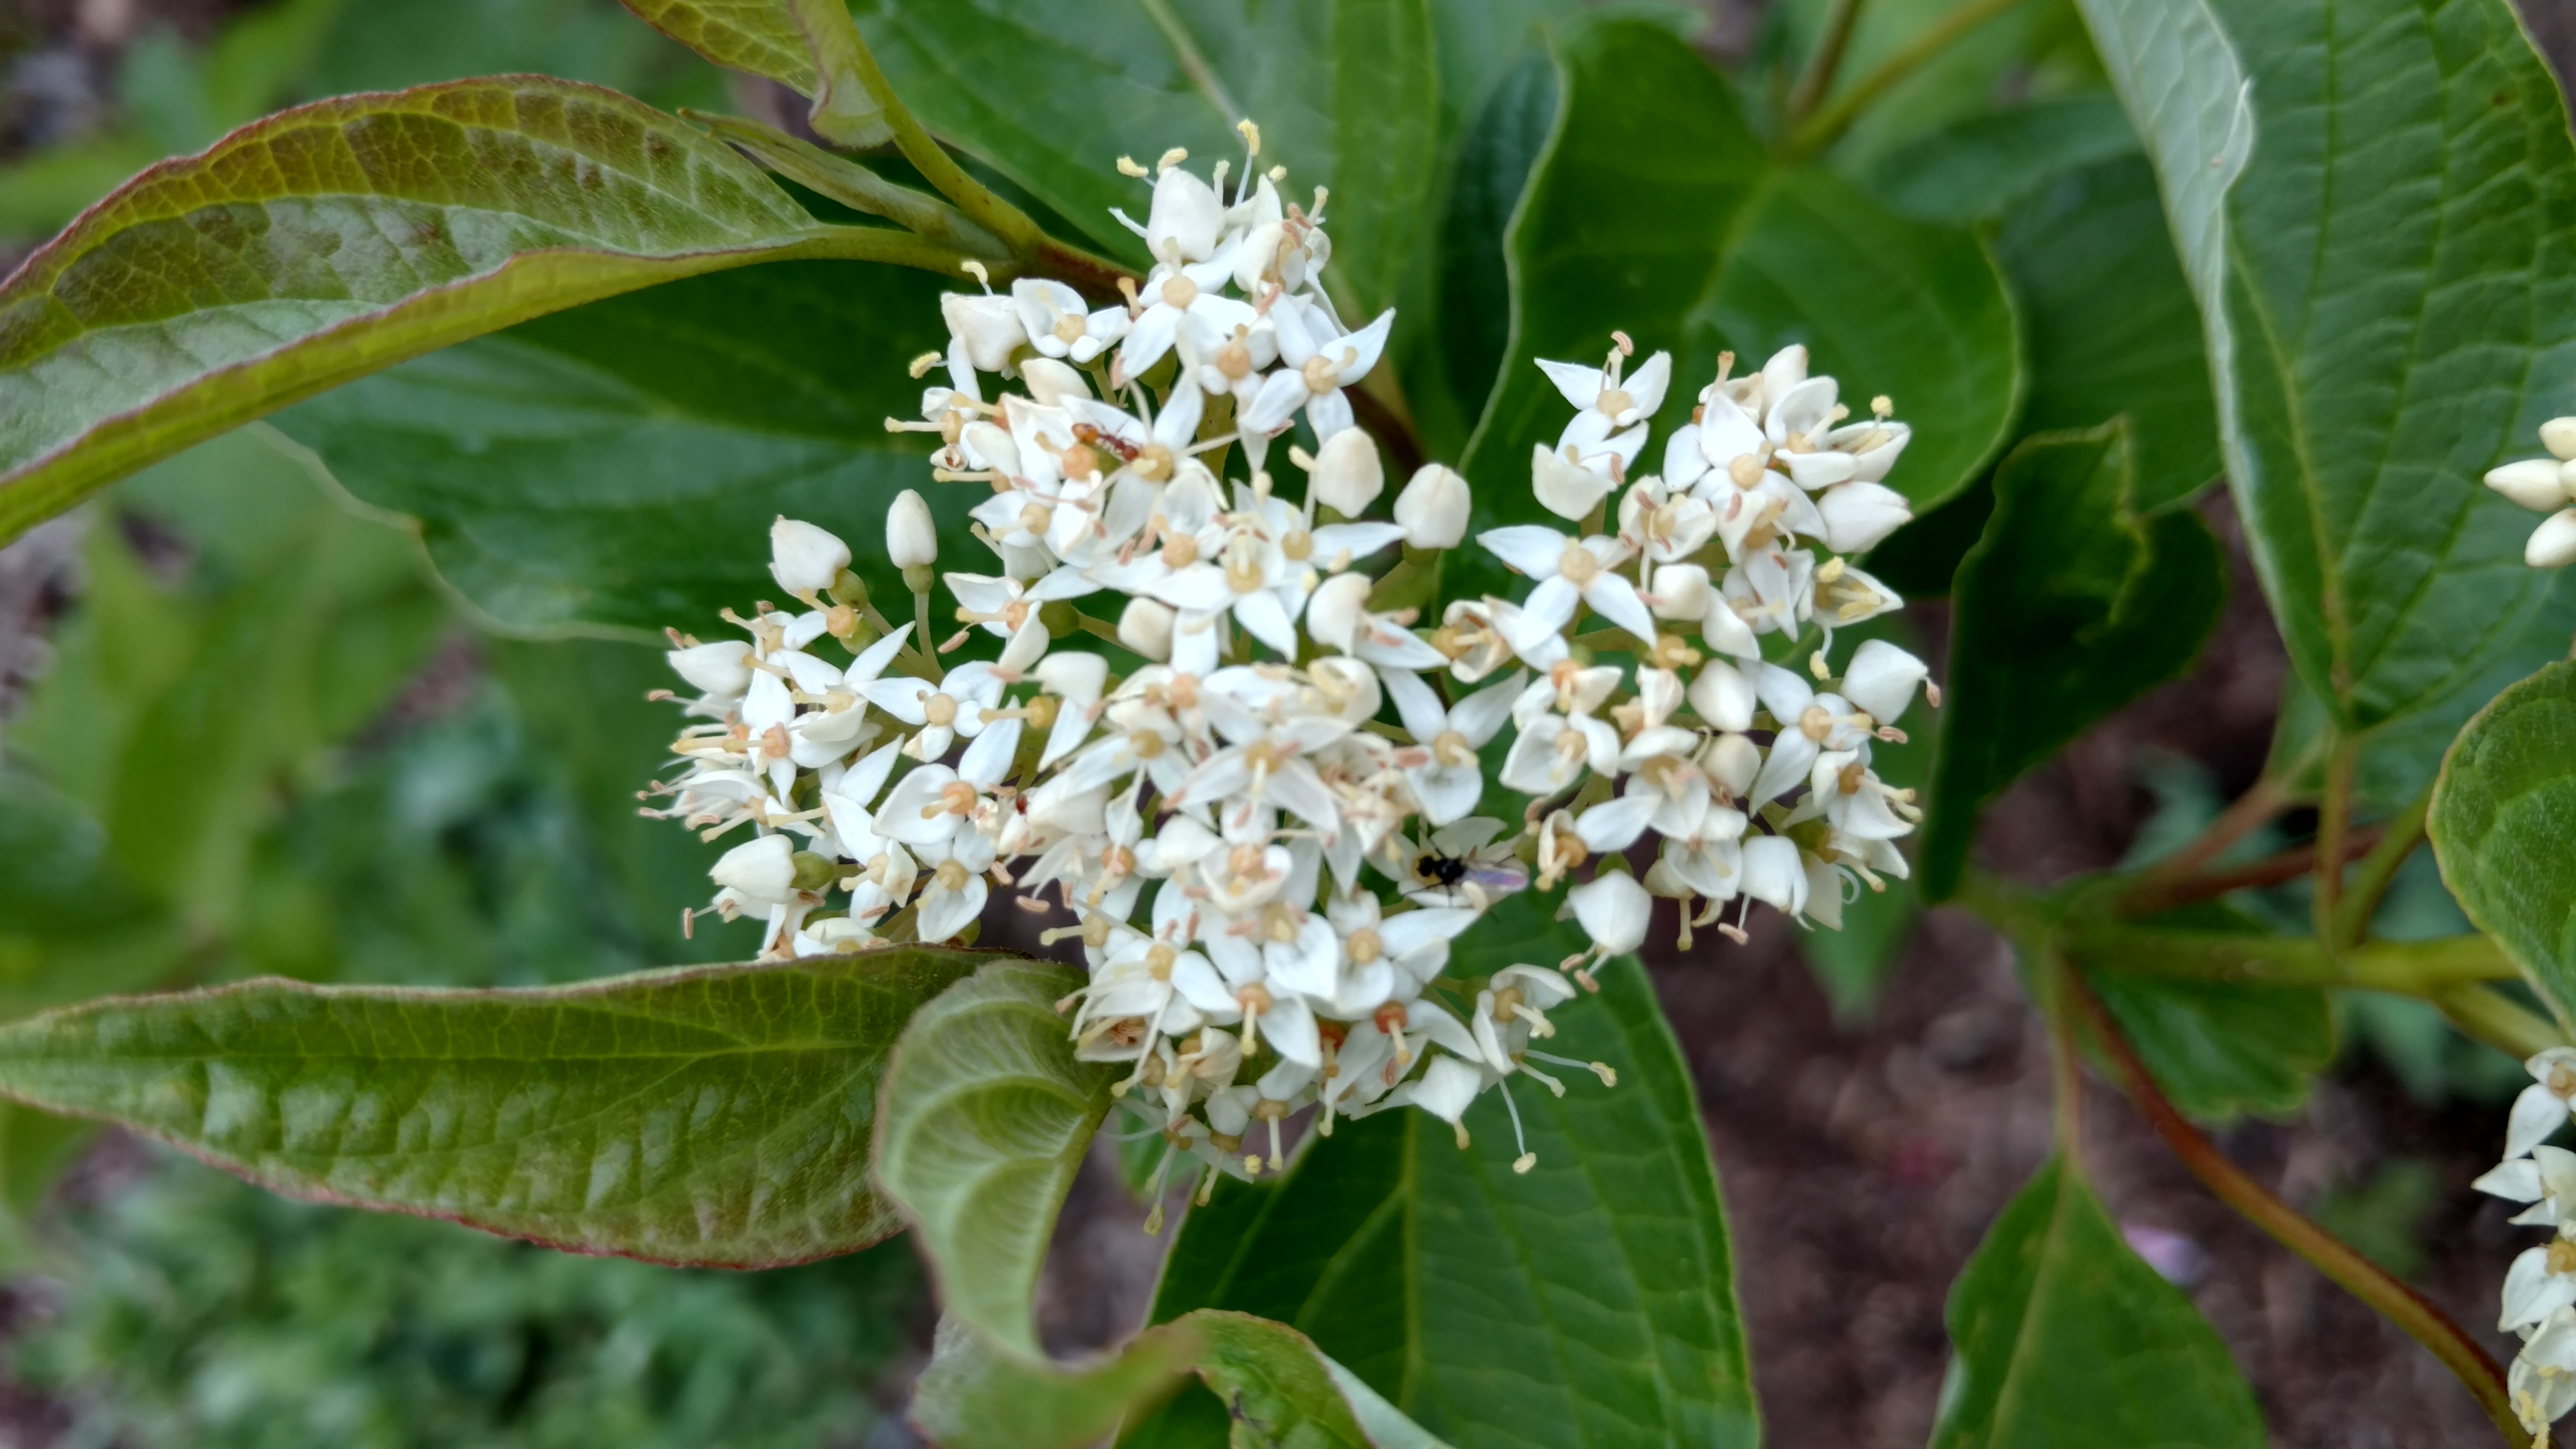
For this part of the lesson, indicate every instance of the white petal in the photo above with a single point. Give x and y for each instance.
(2536, 1113)
(1529, 548)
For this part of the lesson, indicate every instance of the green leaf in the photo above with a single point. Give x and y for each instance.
(1658, 211)
(2375, 201)
(2065, 1340)
(329, 242)
(56, 872)
(759, 37)
(1274, 1383)
(2110, 323)
(986, 1117)
(715, 1116)
(2071, 606)
(1346, 92)
(1589, 1301)
(2503, 815)
(618, 464)
(1976, 169)
(2223, 1049)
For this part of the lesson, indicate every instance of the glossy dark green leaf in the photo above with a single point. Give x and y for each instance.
(2503, 818)
(2065, 1340)
(329, 242)
(1658, 211)
(2110, 324)
(619, 464)
(717, 1116)
(985, 1120)
(1346, 92)
(2223, 1049)
(2070, 607)
(2375, 201)
(1588, 1302)
(1277, 1389)
(1975, 170)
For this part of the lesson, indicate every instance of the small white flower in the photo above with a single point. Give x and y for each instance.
(721, 670)
(1443, 767)
(1859, 514)
(762, 870)
(2542, 1381)
(1173, 295)
(1774, 875)
(1613, 910)
(1568, 570)
(803, 558)
(1315, 373)
(1348, 474)
(984, 330)
(2544, 1106)
(1601, 391)
(1434, 507)
(1881, 680)
(1059, 325)
(912, 539)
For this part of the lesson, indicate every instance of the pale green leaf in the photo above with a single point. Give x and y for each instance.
(2503, 818)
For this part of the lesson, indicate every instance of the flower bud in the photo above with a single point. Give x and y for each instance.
(2553, 543)
(989, 326)
(1732, 762)
(1723, 697)
(762, 870)
(1348, 476)
(1681, 591)
(1333, 614)
(1613, 910)
(1185, 220)
(1053, 383)
(2558, 435)
(722, 669)
(2533, 483)
(1881, 680)
(1433, 508)
(912, 540)
(804, 558)
(1858, 515)
(1564, 487)
(1146, 628)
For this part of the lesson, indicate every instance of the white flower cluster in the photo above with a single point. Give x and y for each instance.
(2546, 485)
(2540, 1287)
(1266, 826)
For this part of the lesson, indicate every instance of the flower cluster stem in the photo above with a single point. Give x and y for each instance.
(2370, 881)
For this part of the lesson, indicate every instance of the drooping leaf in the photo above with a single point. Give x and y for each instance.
(2376, 205)
(2110, 324)
(1346, 92)
(715, 1116)
(2071, 606)
(1274, 1382)
(1979, 168)
(619, 464)
(2223, 1049)
(2503, 816)
(985, 1119)
(1658, 211)
(2065, 1340)
(331, 241)
(1589, 1301)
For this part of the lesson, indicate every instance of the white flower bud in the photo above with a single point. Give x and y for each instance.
(1564, 487)
(804, 558)
(1786, 369)
(1858, 515)
(1773, 873)
(763, 870)
(1732, 762)
(912, 539)
(1881, 680)
(987, 324)
(1348, 476)
(722, 669)
(1723, 697)
(1052, 383)
(1333, 614)
(2533, 483)
(2553, 543)
(2558, 435)
(1681, 591)
(1185, 220)
(1433, 508)
(1613, 910)
(1146, 628)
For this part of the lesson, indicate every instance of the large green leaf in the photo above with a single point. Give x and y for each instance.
(1657, 210)
(1346, 92)
(327, 242)
(985, 1120)
(1975, 170)
(1272, 1380)
(619, 464)
(2071, 606)
(2067, 1341)
(2376, 204)
(2503, 817)
(1588, 1302)
(706, 1115)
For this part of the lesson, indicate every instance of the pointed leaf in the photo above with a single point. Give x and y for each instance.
(715, 1116)
(333, 240)
(2065, 1340)
(986, 1117)
(759, 37)
(2503, 816)
(2069, 607)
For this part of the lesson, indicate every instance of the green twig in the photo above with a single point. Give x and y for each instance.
(853, 185)
(940, 169)
(2485, 1014)
(2251, 811)
(1818, 77)
(1825, 129)
(2272, 870)
(2475, 1368)
(2334, 830)
(2411, 968)
(2369, 884)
